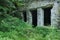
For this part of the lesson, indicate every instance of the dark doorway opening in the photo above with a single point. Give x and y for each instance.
(47, 16)
(34, 17)
(25, 16)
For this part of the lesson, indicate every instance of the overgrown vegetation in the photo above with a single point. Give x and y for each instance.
(13, 28)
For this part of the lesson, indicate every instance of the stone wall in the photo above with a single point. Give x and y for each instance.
(39, 5)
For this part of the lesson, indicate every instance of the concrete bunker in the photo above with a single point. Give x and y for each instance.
(43, 13)
(24, 16)
(34, 17)
(47, 16)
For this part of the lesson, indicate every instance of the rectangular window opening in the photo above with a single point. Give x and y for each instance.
(34, 17)
(25, 16)
(47, 16)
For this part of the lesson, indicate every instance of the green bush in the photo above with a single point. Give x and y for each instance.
(12, 28)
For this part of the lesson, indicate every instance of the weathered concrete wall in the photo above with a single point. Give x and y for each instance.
(55, 15)
(40, 4)
(55, 12)
(58, 15)
(40, 17)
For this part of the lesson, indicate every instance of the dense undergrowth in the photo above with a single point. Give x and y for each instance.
(12, 28)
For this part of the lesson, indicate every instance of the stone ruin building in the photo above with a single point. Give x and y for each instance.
(42, 13)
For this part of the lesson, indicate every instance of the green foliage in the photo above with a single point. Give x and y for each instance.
(12, 28)
(10, 6)
(8, 22)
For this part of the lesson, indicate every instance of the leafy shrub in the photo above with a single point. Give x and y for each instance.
(12, 28)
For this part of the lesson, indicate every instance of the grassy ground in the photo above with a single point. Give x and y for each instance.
(12, 28)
